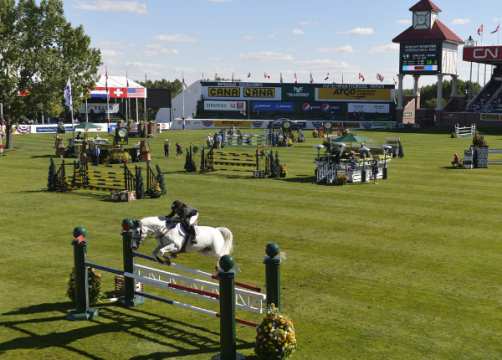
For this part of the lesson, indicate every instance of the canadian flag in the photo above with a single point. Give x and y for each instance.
(361, 77)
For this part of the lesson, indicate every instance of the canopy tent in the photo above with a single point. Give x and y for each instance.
(350, 138)
(118, 87)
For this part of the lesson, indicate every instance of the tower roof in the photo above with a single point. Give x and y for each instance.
(425, 5)
(438, 32)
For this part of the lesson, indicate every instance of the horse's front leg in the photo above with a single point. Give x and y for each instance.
(164, 253)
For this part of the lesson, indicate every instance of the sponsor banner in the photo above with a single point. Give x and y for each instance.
(225, 106)
(483, 54)
(369, 108)
(49, 129)
(354, 94)
(262, 124)
(272, 106)
(224, 92)
(100, 108)
(298, 92)
(491, 117)
(230, 123)
(322, 107)
(262, 93)
(242, 92)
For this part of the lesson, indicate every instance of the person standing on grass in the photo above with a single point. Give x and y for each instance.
(179, 150)
(166, 148)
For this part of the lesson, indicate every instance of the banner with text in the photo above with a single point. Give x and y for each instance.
(225, 106)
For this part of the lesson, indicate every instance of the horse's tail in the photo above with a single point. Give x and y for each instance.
(229, 240)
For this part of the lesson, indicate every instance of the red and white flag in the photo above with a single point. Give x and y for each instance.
(380, 77)
(496, 29)
(481, 30)
(361, 77)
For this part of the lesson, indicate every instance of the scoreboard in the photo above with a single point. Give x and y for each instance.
(420, 59)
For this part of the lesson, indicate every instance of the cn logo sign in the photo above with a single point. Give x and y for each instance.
(486, 53)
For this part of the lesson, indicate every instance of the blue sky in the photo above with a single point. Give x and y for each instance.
(168, 38)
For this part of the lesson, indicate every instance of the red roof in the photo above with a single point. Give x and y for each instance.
(425, 5)
(439, 32)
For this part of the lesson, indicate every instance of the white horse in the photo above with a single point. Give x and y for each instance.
(170, 237)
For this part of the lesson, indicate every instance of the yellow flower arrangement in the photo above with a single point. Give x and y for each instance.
(275, 337)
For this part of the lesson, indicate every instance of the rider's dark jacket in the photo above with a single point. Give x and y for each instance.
(183, 211)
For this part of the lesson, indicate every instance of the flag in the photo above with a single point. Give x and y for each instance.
(311, 78)
(380, 77)
(496, 29)
(327, 77)
(281, 79)
(296, 79)
(249, 75)
(266, 76)
(361, 77)
(68, 101)
(481, 30)
(136, 93)
(23, 93)
(184, 84)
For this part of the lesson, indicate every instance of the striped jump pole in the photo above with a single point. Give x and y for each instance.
(82, 310)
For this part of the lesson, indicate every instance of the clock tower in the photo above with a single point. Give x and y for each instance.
(427, 47)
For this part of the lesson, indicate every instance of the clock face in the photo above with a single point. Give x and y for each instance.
(421, 20)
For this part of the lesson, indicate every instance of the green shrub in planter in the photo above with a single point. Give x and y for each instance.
(94, 286)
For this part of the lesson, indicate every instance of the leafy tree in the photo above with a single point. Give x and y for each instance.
(428, 94)
(174, 86)
(39, 52)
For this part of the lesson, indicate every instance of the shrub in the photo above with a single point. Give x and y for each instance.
(94, 286)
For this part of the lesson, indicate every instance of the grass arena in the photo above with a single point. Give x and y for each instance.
(407, 268)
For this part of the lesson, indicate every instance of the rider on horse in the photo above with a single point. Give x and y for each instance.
(188, 218)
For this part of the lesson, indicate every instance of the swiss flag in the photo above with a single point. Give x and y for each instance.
(117, 93)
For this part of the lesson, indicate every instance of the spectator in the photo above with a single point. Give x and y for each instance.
(166, 148)
(179, 150)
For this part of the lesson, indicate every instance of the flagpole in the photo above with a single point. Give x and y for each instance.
(107, 100)
(86, 112)
(183, 94)
(144, 103)
(137, 110)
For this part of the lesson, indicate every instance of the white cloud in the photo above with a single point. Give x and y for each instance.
(361, 31)
(305, 22)
(385, 48)
(461, 21)
(404, 21)
(267, 56)
(248, 37)
(346, 49)
(322, 64)
(110, 53)
(176, 38)
(158, 49)
(130, 6)
(298, 31)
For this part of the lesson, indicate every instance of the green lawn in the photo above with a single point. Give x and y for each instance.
(409, 268)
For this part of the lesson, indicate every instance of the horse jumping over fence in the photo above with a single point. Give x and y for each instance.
(228, 293)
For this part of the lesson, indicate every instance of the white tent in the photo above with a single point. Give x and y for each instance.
(117, 82)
